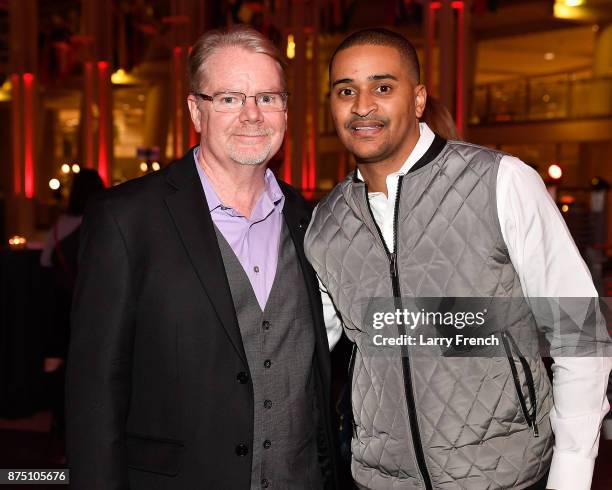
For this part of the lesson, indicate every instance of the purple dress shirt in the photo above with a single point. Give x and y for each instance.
(254, 240)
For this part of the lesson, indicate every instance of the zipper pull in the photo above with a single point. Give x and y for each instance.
(393, 265)
(534, 427)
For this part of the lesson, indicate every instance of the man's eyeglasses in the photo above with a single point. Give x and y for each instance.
(234, 101)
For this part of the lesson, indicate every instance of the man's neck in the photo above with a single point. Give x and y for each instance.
(238, 186)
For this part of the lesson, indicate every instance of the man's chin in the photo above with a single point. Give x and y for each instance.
(366, 153)
(368, 157)
(250, 159)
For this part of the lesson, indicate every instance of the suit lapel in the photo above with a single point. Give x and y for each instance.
(189, 210)
(297, 219)
(297, 222)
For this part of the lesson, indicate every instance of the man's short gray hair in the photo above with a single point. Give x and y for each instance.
(241, 36)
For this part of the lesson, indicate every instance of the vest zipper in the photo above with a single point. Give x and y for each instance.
(406, 368)
(530, 418)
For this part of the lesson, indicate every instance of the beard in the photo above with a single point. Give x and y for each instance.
(258, 154)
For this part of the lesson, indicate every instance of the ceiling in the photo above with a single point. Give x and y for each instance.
(543, 53)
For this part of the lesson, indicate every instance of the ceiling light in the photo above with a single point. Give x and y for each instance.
(290, 47)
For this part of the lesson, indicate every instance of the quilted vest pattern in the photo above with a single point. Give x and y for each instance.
(470, 424)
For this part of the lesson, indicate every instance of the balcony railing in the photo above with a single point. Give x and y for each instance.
(542, 98)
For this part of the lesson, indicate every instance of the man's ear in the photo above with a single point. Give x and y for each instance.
(420, 99)
(194, 111)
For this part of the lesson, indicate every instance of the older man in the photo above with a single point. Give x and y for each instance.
(425, 217)
(199, 356)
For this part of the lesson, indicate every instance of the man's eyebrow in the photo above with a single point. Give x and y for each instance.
(342, 80)
(384, 76)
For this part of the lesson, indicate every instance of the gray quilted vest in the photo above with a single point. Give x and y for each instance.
(421, 421)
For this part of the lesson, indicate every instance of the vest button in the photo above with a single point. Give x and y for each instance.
(242, 377)
(268, 404)
(242, 450)
(265, 483)
(267, 363)
(267, 444)
(265, 325)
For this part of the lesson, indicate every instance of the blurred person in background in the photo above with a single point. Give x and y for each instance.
(59, 258)
(439, 119)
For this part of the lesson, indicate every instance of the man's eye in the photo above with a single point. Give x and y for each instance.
(383, 89)
(266, 99)
(229, 100)
(346, 92)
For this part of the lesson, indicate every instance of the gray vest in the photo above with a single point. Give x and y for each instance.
(467, 428)
(279, 345)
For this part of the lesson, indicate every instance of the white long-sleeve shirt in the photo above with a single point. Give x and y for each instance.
(549, 266)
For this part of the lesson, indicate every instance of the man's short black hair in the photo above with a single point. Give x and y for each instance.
(379, 36)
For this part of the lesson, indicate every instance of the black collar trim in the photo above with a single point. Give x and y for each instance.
(436, 147)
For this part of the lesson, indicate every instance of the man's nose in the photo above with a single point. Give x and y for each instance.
(250, 111)
(364, 104)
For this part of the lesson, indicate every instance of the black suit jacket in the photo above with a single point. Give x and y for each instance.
(159, 394)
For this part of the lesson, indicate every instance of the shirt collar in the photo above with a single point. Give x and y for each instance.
(272, 196)
(425, 140)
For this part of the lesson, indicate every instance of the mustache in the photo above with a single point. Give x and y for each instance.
(253, 132)
(355, 118)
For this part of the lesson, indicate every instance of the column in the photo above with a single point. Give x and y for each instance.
(23, 63)
(97, 108)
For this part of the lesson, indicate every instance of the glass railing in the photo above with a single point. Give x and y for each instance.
(542, 98)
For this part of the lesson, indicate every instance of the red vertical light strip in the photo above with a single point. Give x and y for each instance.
(311, 159)
(459, 65)
(305, 172)
(178, 113)
(88, 115)
(105, 112)
(16, 95)
(287, 159)
(431, 19)
(29, 135)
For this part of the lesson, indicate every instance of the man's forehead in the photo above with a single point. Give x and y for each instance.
(235, 66)
(367, 62)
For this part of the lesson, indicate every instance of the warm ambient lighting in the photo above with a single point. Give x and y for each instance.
(290, 47)
(5, 90)
(549, 56)
(54, 184)
(17, 242)
(65, 168)
(155, 166)
(566, 9)
(76, 168)
(121, 77)
(565, 208)
(143, 166)
(555, 172)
